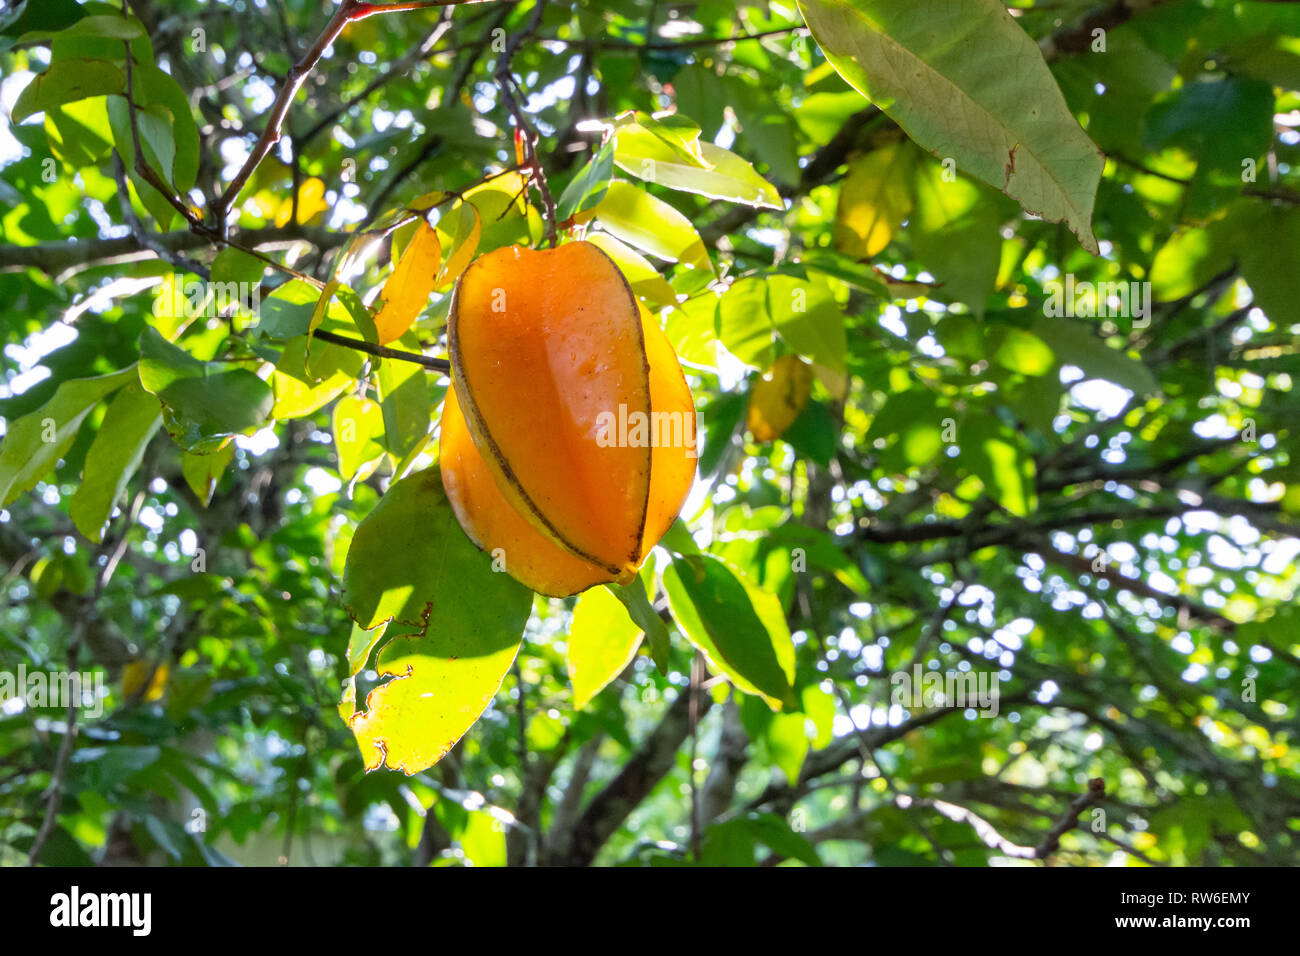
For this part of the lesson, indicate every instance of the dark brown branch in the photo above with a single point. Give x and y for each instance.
(146, 239)
(640, 775)
(56, 258)
(1094, 794)
(113, 549)
(526, 136)
(383, 351)
(728, 760)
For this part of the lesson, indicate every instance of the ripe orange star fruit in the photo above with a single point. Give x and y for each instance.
(568, 436)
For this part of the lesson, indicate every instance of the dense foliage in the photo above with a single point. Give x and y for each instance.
(994, 375)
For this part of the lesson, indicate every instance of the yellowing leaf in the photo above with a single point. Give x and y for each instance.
(602, 641)
(463, 243)
(202, 472)
(407, 290)
(311, 203)
(643, 278)
(875, 198)
(410, 563)
(145, 680)
(300, 392)
(358, 427)
(651, 225)
(778, 397)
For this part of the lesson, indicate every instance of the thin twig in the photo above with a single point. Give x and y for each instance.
(63, 757)
(349, 11)
(383, 351)
(527, 136)
(697, 676)
(147, 239)
(1070, 819)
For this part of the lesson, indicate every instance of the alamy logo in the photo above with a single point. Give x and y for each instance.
(53, 689)
(194, 299)
(637, 429)
(74, 908)
(925, 690)
(1086, 300)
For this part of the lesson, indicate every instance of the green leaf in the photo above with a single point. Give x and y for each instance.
(675, 131)
(132, 418)
(726, 175)
(954, 231)
(1074, 343)
(287, 312)
(1269, 267)
(483, 839)
(812, 434)
(154, 124)
(589, 186)
(932, 72)
(602, 641)
(404, 399)
(819, 708)
(361, 644)
(692, 328)
(358, 433)
(205, 403)
(651, 225)
(766, 128)
(782, 735)
(80, 133)
(67, 81)
(1220, 121)
(410, 563)
(301, 389)
(1020, 351)
(916, 421)
(1191, 258)
(202, 472)
(109, 26)
(35, 442)
(236, 265)
(44, 17)
(997, 457)
(637, 601)
(718, 615)
(736, 842)
(778, 836)
(744, 323)
(811, 322)
(158, 90)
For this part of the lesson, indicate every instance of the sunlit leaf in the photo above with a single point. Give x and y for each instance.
(448, 657)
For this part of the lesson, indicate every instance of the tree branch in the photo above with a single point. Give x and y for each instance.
(1094, 794)
(349, 11)
(640, 775)
(58, 258)
(383, 351)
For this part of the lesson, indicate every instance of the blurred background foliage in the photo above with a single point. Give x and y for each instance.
(919, 461)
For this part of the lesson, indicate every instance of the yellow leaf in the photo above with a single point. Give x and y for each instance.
(407, 290)
(145, 680)
(311, 203)
(463, 242)
(875, 198)
(778, 397)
